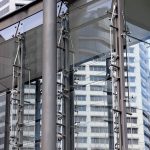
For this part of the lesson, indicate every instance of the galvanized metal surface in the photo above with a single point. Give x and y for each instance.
(49, 75)
(118, 76)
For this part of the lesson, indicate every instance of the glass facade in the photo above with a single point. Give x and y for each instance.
(89, 50)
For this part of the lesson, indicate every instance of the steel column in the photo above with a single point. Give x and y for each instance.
(109, 103)
(17, 96)
(118, 76)
(71, 78)
(119, 42)
(37, 115)
(18, 93)
(122, 102)
(49, 75)
(7, 121)
(66, 82)
(21, 96)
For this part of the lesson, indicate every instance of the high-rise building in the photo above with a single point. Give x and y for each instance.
(7, 6)
(28, 120)
(139, 122)
(4, 121)
(91, 99)
(92, 104)
(8, 127)
(92, 108)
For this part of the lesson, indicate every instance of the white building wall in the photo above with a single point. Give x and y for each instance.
(8, 6)
(136, 101)
(89, 145)
(2, 119)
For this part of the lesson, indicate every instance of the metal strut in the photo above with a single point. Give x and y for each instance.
(118, 79)
(17, 97)
(63, 86)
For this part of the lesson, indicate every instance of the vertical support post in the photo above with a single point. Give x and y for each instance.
(22, 91)
(20, 109)
(71, 108)
(109, 104)
(37, 115)
(17, 95)
(65, 120)
(66, 82)
(110, 116)
(119, 45)
(7, 121)
(49, 75)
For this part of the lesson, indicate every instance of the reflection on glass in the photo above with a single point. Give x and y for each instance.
(92, 105)
(23, 26)
(85, 11)
(8, 33)
(90, 40)
(28, 24)
(89, 26)
(89, 47)
(137, 85)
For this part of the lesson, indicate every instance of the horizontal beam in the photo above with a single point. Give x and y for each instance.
(20, 14)
(36, 6)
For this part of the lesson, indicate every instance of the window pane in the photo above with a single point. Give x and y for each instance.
(80, 97)
(131, 59)
(97, 78)
(80, 118)
(81, 68)
(80, 87)
(99, 140)
(98, 118)
(80, 77)
(97, 68)
(81, 139)
(99, 108)
(99, 129)
(80, 107)
(96, 88)
(98, 98)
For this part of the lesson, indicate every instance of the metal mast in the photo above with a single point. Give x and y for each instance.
(17, 97)
(118, 79)
(65, 123)
(122, 100)
(7, 121)
(37, 114)
(49, 75)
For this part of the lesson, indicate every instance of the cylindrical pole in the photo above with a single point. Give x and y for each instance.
(122, 102)
(49, 75)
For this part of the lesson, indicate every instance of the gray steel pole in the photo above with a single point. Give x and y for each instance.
(49, 75)
(66, 82)
(71, 77)
(20, 109)
(109, 103)
(122, 102)
(7, 120)
(37, 114)
(119, 43)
